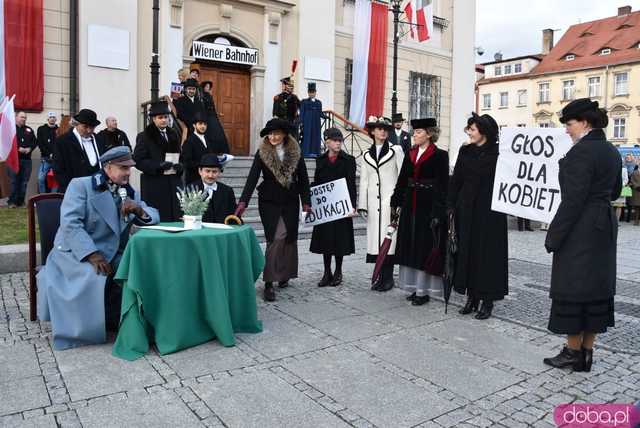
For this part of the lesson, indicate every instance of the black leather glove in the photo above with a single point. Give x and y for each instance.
(363, 213)
(178, 168)
(165, 166)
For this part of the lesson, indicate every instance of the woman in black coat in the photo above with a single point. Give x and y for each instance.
(420, 194)
(583, 236)
(482, 261)
(334, 238)
(285, 183)
(160, 178)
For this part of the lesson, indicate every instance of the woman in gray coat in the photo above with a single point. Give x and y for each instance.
(583, 235)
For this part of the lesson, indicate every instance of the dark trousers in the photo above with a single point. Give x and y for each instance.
(112, 304)
(19, 182)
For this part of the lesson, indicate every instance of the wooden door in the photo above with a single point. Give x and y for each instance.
(231, 93)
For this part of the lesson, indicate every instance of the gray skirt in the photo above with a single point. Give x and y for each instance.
(419, 282)
(281, 258)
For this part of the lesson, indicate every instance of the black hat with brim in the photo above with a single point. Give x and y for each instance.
(210, 160)
(286, 80)
(424, 123)
(333, 134)
(200, 116)
(190, 83)
(311, 87)
(87, 117)
(397, 118)
(576, 108)
(158, 108)
(274, 125)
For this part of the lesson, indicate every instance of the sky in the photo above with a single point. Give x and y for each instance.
(514, 27)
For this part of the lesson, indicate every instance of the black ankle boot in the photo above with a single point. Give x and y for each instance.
(283, 284)
(269, 292)
(420, 300)
(485, 310)
(572, 358)
(387, 279)
(337, 279)
(470, 306)
(587, 355)
(326, 280)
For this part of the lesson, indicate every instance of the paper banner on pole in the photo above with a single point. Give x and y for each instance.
(526, 182)
(329, 202)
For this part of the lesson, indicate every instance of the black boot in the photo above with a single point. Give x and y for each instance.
(587, 356)
(269, 292)
(387, 279)
(572, 358)
(485, 310)
(337, 279)
(283, 284)
(420, 300)
(411, 296)
(470, 306)
(326, 280)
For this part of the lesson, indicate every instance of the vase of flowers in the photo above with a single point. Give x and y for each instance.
(194, 203)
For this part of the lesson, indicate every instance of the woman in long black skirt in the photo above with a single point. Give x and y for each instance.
(583, 236)
(334, 238)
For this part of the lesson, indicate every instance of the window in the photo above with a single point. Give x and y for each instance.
(507, 69)
(605, 51)
(567, 90)
(545, 125)
(486, 101)
(619, 127)
(504, 99)
(522, 125)
(622, 84)
(522, 97)
(424, 96)
(498, 70)
(594, 87)
(348, 77)
(570, 57)
(517, 68)
(543, 93)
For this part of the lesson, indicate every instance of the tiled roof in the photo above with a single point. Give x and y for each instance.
(586, 41)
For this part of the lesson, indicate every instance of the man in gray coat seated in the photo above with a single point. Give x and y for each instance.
(76, 291)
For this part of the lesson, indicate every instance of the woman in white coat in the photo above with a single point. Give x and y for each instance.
(379, 170)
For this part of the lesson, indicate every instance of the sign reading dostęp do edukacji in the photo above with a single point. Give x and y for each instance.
(329, 202)
(526, 182)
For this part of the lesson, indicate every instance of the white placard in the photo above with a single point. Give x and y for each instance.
(329, 202)
(225, 53)
(107, 47)
(526, 183)
(317, 69)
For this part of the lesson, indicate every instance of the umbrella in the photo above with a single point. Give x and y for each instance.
(434, 265)
(383, 251)
(450, 260)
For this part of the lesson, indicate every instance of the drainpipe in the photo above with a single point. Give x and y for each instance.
(73, 57)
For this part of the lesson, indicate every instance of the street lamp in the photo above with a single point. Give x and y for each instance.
(395, 9)
(155, 66)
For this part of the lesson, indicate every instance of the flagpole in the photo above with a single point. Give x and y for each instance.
(396, 20)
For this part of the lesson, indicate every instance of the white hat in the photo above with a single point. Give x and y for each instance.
(51, 114)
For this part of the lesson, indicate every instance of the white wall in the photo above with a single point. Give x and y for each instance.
(463, 72)
(171, 48)
(109, 91)
(317, 25)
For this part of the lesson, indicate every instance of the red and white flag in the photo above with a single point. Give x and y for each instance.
(8, 140)
(420, 15)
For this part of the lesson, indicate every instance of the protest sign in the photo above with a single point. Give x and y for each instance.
(526, 182)
(176, 90)
(329, 202)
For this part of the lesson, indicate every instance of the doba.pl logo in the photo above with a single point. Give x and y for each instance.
(597, 415)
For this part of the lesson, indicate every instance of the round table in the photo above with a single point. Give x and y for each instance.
(183, 289)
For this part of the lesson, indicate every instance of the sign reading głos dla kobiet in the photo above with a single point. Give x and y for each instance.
(526, 182)
(225, 53)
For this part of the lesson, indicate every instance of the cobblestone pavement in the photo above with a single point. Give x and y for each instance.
(337, 357)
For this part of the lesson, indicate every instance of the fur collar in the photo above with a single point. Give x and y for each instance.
(283, 171)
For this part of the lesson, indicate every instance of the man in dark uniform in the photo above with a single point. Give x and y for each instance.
(46, 138)
(77, 153)
(197, 145)
(286, 104)
(26, 144)
(311, 117)
(111, 136)
(222, 201)
(398, 135)
(156, 155)
(190, 104)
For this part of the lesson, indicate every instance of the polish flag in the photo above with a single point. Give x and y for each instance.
(8, 140)
(420, 13)
(369, 60)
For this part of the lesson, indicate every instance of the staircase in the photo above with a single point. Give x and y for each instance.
(235, 175)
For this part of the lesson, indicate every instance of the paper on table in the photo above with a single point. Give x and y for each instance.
(173, 158)
(172, 229)
(216, 226)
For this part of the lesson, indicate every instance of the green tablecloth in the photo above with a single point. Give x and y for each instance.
(183, 289)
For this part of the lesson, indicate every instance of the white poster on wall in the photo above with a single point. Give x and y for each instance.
(107, 47)
(317, 69)
(526, 182)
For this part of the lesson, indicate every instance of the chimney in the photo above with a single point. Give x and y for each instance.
(547, 40)
(624, 10)
(497, 56)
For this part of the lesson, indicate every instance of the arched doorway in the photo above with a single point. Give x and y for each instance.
(231, 91)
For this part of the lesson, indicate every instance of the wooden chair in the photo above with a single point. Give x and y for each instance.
(46, 208)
